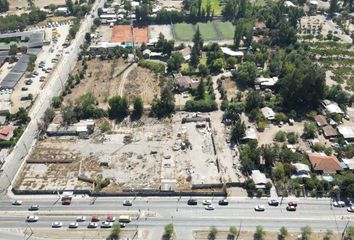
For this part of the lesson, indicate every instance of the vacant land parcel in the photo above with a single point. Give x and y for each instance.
(211, 31)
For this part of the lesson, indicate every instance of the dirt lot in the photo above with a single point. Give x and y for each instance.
(38, 3)
(108, 78)
(137, 155)
(230, 87)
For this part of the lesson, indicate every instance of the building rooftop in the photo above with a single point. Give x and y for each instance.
(346, 131)
(327, 164)
(321, 120)
(329, 131)
(230, 52)
(268, 113)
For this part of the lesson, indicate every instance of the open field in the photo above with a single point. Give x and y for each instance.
(135, 155)
(210, 31)
(105, 79)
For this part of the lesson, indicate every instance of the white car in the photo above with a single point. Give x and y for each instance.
(206, 202)
(209, 207)
(350, 209)
(92, 225)
(81, 219)
(74, 225)
(338, 204)
(259, 208)
(127, 203)
(57, 224)
(17, 203)
(106, 224)
(32, 218)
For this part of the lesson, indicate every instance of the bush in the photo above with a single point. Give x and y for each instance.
(292, 137)
(56, 101)
(105, 127)
(261, 125)
(201, 105)
(168, 231)
(280, 136)
(153, 66)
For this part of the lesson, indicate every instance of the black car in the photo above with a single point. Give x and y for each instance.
(24, 88)
(223, 202)
(34, 207)
(192, 202)
(29, 82)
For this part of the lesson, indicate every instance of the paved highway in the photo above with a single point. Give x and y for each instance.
(155, 213)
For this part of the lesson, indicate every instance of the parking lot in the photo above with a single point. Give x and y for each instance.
(34, 83)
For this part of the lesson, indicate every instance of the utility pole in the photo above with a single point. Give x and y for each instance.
(132, 33)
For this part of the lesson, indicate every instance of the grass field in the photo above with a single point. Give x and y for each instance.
(214, 6)
(184, 31)
(210, 31)
(226, 29)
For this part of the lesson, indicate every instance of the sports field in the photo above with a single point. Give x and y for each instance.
(122, 33)
(211, 31)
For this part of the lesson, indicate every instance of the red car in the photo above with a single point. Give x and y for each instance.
(95, 219)
(292, 203)
(110, 219)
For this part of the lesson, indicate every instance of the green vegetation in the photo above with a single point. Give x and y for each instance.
(13, 22)
(259, 234)
(118, 107)
(183, 31)
(4, 6)
(138, 108)
(306, 232)
(283, 233)
(212, 232)
(100, 183)
(164, 106)
(115, 231)
(207, 31)
(226, 29)
(216, 6)
(168, 231)
(153, 66)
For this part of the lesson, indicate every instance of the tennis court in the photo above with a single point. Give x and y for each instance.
(122, 33)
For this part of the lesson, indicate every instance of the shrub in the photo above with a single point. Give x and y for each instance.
(153, 66)
(200, 105)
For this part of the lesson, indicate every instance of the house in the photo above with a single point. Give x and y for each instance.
(84, 127)
(185, 83)
(349, 163)
(62, 10)
(259, 179)
(5, 107)
(322, 163)
(332, 107)
(263, 82)
(302, 170)
(268, 113)
(152, 55)
(347, 132)
(251, 134)
(230, 53)
(321, 120)
(329, 131)
(6, 133)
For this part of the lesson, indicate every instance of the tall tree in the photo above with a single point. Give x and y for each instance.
(70, 5)
(118, 107)
(138, 108)
(4, 6)
(333, 7)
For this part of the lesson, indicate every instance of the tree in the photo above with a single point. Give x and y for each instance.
(306, 232)
(310, 130)
(197, 47)
(175, 62)
(56, 101)
(115, 231)
(88, 37)
(138, 108)
(259, 234)
(194, 61)
(233, 231)
(246, 74)
(69, 116)
(164, 106)
(168, 231)
(328, 235)
(278, 173)
(13, 49)
(4, 6)
(212, 232)
(22, 116)
(231, 62)
(238, 131)
(333, 7)
(118, 107)
(285, 35)
(203, 70)
(200, 93)
(283, 233)
(253, 101)
(349, 233)
(70, 5)
(217, 65)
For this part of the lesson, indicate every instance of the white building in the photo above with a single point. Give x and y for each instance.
(347, 132)
(268, 113)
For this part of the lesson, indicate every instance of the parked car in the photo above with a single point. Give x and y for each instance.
(17, 203)
(106, 224)
(224, 202)
(92, 225)
(209, 207)
(95, 219)
(259, 208)
(192, 201)
(42, 78)
(127, 203)
(28, 82)
(110, 219)
(33, 207)
(292, 203)
(350, 209)
(57, 224)
(273, 202)
(24, 88)
(122, 225)
(206, 202)
(81, 219)
(74, 225)
(32, 218)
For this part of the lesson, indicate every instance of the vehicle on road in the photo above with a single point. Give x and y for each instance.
(66, 200)
(95, 219)
(223, 202)
(124, 218)
(42, 78)
(209, 207)
(29, 82)
(192, 202)
(123, 225)
(273, 202)
(292, 203)
(57, 224)
(350, 209)
(74, 225)
(338, 204)
(127, 203)
(106, 224)
(17, 202)
(32, 218)
(92, 225)
(291, 208)
(259, 208)
(24, 88)
(80, 219)
(110, 219)
(33, 207)
(206, 202)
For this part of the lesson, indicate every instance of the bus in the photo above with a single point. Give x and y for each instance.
(124, 218)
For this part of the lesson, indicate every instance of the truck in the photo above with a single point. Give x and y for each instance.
(66, 198)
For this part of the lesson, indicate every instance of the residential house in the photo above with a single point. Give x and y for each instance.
(268, 113)
(331, 107)
(5, 107)
(250, 134)
(262, 82)
(349, 163)
(347, 132)
(329, 132)
(302, 171)
(324, 164)
(6, 133)
(230, 53)
(259, 179)
(185, 83)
